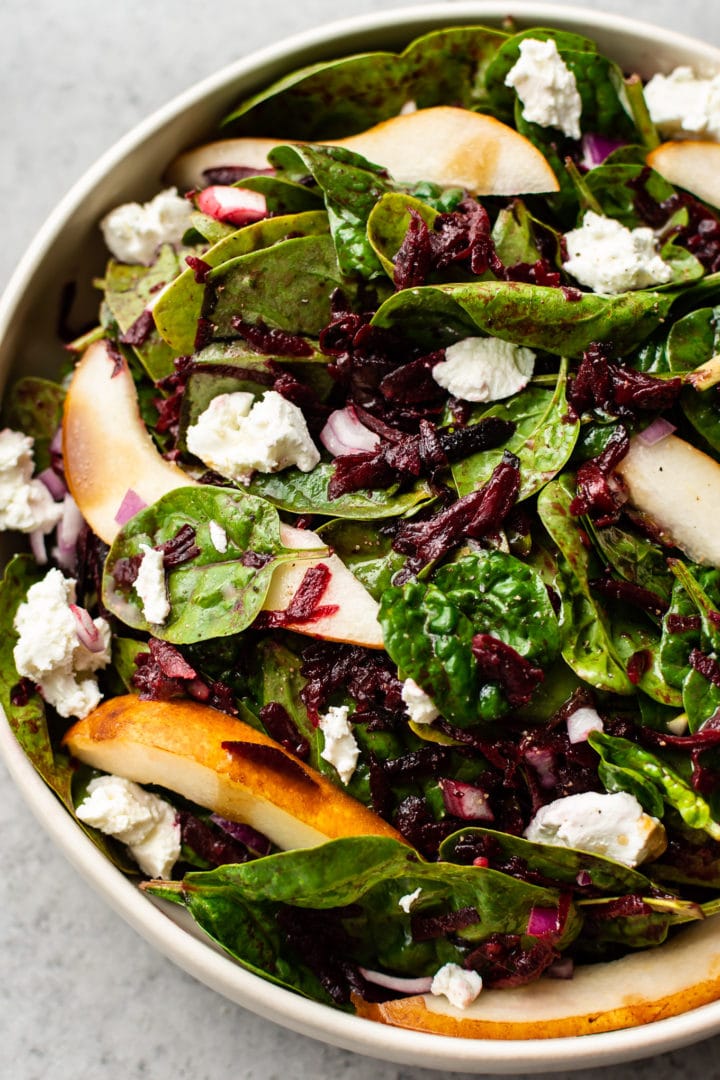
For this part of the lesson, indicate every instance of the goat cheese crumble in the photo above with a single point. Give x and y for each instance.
(26, 505)
(49, 651)
(133, 232)
(484, 369)
(459, 986)
(407, 901)
(145, 823)
(340, 749)
(238, 436)
(218, 536)
(151, 587)
(546, 87)
(682, 104)
(420, 706)
(614, 825)
(607, 257)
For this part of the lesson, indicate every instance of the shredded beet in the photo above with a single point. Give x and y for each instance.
(305, 606)
(255, 559)
(269, 341)
(301, 394)
(369, 677)
(212, 845)
(269, 757)
(280, 727)
(705, 664)
(701, 235)
(21, 692)
(140, 331)
(638, 664)
(180, 549)
(321, 942)
(200, 268)
(682, 624)
(253, 840)
(504, 960)
(629, 593)
(704, 779)
(413, 261)
(163, 673)
(617, 390)
(415, 821)
(427, 927)
(204, 333)
(174, 386)
(499, 662)
(473, 516)
(227, 175)
(599, 493)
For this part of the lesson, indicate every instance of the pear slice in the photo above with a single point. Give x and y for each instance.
(690, 164)
(108, 453)
(637, 989)
(678, 487)
(445, 145)
(179, 745)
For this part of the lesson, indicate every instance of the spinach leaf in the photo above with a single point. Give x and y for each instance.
(700, 695)
(211, 594)
(625, 766)
(536, 316)
(177, 311)
(634, 557)
(306, 493)
(514, 235)
(366, 551)
(351, 186)
(388, 223)
(283, 196)
(588, 646)
(543, 439)
(35, 407)
(428, 630)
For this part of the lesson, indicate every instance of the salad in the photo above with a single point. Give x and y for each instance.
(372, 611)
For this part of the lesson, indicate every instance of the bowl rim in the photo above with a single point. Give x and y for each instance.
(196, 955)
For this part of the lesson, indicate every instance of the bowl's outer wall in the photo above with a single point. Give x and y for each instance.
(68, 253)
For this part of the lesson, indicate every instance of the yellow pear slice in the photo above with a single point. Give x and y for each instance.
(179, 745)
(690, 164)
(445, 145)
(637, 989)
(678, 487)
(107, 452)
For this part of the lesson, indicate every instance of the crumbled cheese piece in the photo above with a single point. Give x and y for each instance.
(218, 536)
(146, 823)
(340, 749)
(25, 504)
(581, 722)
(614, 825)
(421, 708)
(407, 901)
(237, 437)
(682, 104)
(547, 87)
(459, 986)
(151, 587)
(133, 232)
(48, 649)
(679, 725)
(484, 369)
(607, 257)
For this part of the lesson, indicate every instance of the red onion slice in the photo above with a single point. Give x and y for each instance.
(248, 836)
(37, 546)
(598, 147)
(68, 533)
(656, 432)
(86, 630)
(131, 505)
(394, 982)
(54, 483)
(465, 801)
(549, 922)
(345, 434)
(232, 205)
(581, 722)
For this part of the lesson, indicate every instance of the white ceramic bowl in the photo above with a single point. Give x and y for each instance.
(67, 248)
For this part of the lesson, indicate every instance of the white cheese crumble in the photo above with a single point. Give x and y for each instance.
(681, 104)
(218, 536)
(614, 825)
(407, 901)
(547, 87)
(459, 986)
(48, 649)
(25, 504)
(484, 369)
(133, 232)
(340, 748)
(420, 706)
(238, 436)
(147, 824)
(151, 587)
(607, 257)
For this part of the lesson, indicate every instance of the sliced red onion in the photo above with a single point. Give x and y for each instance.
(394, 982)
(37, 546)
(656, 432)
(244, 833)
(564, 968)
(86, 630)
(68, 533)
(583, 878)
(465, 801)
(131, 505)
(543, 761)
(345, 434)
(549, 922)
(598, 147)
(581, 722)
(56, 442)
(54, 483)
(233, 205)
